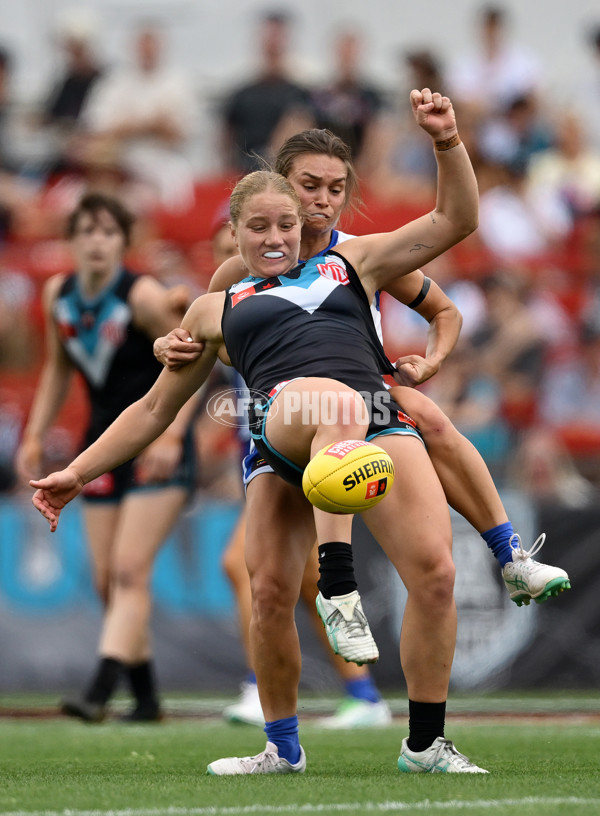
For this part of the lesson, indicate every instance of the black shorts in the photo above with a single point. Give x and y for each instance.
(386, 418)
(117, 483)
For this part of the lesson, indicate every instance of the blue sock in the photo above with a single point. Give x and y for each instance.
(250, 677)
(284, 734)
(363, 689)
(497, 540)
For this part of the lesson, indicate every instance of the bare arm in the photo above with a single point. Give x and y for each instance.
(177, 348)
(380, 258)
(445, 322)
(50, 394)
(155, 310)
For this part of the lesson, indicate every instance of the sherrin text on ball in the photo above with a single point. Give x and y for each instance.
(348, 476)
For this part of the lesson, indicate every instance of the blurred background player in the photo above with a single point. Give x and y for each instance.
(101, 321)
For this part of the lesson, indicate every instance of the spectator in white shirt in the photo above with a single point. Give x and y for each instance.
(148, 111)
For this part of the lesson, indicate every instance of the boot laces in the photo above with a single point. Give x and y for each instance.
(356, 627)
(266, 759)
(522, 553)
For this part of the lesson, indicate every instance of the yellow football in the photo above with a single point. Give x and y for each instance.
(348, 477)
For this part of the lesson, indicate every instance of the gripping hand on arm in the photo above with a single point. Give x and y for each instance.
(177, 349)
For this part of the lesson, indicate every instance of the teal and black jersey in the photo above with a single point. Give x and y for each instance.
(315, 321)
(114, 357)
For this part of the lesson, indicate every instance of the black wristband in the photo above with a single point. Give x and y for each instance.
(422, 294)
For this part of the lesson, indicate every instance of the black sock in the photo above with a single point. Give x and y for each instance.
(425, 723)
(142, 683)
(336, 568)
(105, 681)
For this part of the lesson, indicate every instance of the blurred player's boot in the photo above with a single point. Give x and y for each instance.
(354, 713)
(144, 712)
(267, 762)
(247, 709)
(526, 579)
(440, 757)
(78, 707)
(347, 628)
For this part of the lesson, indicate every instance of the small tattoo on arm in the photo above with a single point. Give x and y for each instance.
(417, 247)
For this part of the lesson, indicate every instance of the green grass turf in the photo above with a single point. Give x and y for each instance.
(59, 766)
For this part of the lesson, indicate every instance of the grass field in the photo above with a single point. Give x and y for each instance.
(543, 757)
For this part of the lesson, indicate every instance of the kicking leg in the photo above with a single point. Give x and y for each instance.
(297, 430)
(470, 490)
(363, 705)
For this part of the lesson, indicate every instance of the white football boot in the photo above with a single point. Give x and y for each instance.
(267, 762)
(527, 580)
(440, 757)
(347, 628)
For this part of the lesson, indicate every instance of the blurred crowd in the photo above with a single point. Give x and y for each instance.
(523, 383)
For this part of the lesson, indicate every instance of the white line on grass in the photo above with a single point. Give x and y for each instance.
(340, 807)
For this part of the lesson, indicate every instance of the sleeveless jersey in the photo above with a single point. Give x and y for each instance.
(114, 357)
(313, 321)
(338, 237)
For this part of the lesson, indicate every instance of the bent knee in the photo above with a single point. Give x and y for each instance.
(431, 420)
(433, 582)
(128, 576)
(435, 425)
